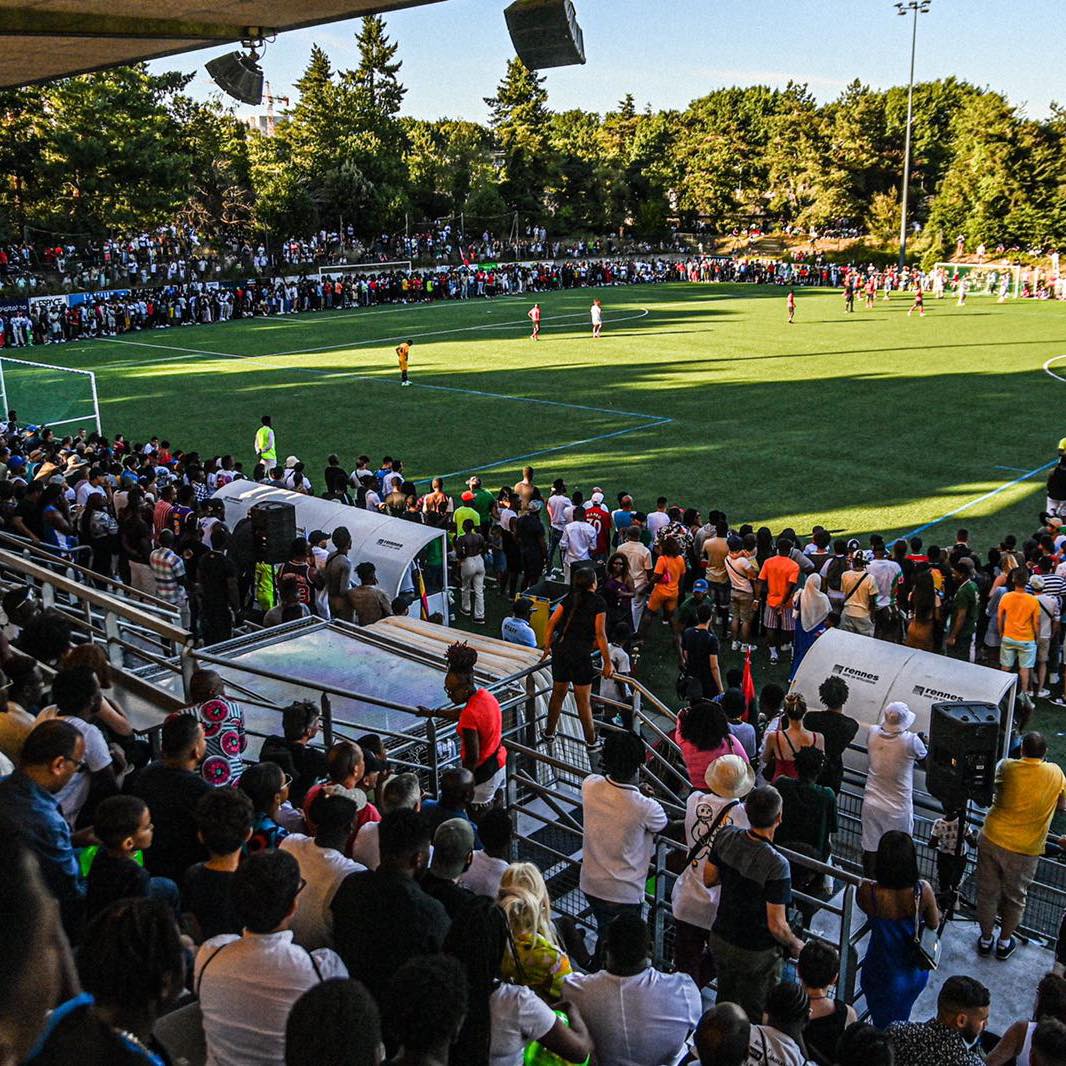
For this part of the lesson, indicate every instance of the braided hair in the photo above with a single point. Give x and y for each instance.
(461, 658)
(131, 956)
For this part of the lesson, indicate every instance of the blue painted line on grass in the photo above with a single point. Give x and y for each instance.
(980, 499)
(556, 448)
(1016, 469)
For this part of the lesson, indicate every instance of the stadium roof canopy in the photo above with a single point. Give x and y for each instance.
(45, 39)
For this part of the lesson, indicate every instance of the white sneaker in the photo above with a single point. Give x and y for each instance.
(736, 645)
(773, 656)
(1043, 694)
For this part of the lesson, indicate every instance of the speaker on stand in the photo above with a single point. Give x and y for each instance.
(274, 530)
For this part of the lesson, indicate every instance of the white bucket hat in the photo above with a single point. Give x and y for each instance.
(897, 718)
(730, 777)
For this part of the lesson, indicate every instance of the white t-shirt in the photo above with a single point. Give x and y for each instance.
(887, 574)
(507, 518)
(619, 837)
(75, 792)
(366, 849)
(323, 869)
(657, 520)
(249, 989)
(518, 1017)
(638, 1020)
(483, 877)
(1049, 610)
(390, 481)
(611, 689)
(557, 506)
(692, 901)
(770, 1047)
(579, 538)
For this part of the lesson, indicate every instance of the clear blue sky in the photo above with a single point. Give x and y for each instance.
(667, 52)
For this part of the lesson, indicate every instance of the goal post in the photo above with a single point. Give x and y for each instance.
(982, 279)
(343, 270)
(48, 395)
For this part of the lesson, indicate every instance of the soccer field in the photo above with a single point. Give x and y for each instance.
(870, 421)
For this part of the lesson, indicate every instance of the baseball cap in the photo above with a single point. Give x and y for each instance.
(452, 843)
(466, 497)
(700, 585)
(596, 497)
(1062, 445)
(473, 481)
(356, 795)
(734, 543)
(1036, 583)
(16, 462)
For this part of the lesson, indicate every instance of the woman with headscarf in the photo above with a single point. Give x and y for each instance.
(888, 799)
(814, 608)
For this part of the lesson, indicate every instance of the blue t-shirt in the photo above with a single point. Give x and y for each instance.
(518, 631)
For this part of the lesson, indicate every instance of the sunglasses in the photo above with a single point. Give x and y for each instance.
(80, 765)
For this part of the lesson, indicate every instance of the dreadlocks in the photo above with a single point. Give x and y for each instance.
(461, 658)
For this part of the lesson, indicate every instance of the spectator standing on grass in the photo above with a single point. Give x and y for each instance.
(470, 550)
(516, 629)
(751, 925)
(247, 984)
(778, 576)
(948, 1039)
(266, 448)
(895, 902)
(1048, 634)
(861, 593)
(1018, 615)
(964, 611)
(699, 653)
(635, 1014)
(368, 602)
(620, 824)
(1028, 793)
(836, 727)
(888, 798)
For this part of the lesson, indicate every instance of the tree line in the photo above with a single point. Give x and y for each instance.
(126, 149)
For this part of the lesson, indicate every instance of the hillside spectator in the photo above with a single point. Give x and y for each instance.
(323, 866)
(961, 1016)
(223, 722)
(1029, 791)
(888, 798)
(248, 983)
(818, 968)
(836, 727)
(453, 848)
(634, 1013)
(756, 889)
(426, 1007)
(895, 902)
(381, 918)
(294, 752)
(171, 787)
(51, 755)
(488, 863)
(224, 823)
(336, 1023)
(123, 825)
(728, 780)
(618, 837)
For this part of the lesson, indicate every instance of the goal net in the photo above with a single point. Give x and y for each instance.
(46, 395)
(344, 270)
(981, 279)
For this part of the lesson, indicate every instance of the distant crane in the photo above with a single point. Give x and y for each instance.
(270, 99)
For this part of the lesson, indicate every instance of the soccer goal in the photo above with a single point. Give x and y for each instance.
(982, 279)
(46, 395)
(344, 270)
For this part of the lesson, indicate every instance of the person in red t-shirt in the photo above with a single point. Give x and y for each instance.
(477, 714)
(599, 518)
(350, 767)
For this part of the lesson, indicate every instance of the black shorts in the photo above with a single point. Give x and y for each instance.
(573, 665)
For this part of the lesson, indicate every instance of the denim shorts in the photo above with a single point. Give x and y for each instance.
(1022, 650)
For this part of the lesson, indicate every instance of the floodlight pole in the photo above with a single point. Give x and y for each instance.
(902, 7)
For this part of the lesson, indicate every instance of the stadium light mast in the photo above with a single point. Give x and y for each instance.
(918, 7)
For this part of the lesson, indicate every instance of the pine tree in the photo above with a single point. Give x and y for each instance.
(378, 70)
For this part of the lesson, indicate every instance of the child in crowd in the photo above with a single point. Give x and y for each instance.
(611, 689)
(944, 837)
(123, 824)
(224, 822)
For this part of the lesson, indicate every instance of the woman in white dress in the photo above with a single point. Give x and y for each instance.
(729, 779)
(597, 317)
(888, 800)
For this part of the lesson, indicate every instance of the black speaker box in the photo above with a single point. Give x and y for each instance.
(545, 33)
(274, 529)
(964, 746)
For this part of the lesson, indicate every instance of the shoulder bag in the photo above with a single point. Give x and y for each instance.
(926, 940)
(706, 842)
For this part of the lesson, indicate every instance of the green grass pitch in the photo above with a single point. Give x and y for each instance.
(870, 421)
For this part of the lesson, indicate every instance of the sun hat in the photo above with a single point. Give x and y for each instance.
(1036, 582)
(700, 585)
(596, 497)
(290, 462)
(897, 717)
(730, 777)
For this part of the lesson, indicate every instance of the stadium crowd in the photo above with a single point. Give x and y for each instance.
(302, 904)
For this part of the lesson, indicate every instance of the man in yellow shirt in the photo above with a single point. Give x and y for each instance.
(1029, 791)
(403, 354)
(266, 448)
(1019, 626)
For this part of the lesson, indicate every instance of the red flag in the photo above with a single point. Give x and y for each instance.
(747, 686)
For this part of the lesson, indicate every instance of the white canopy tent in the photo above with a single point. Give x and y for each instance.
(391, 544)
(878, 673)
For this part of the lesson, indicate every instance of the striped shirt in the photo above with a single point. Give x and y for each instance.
(168, 570)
